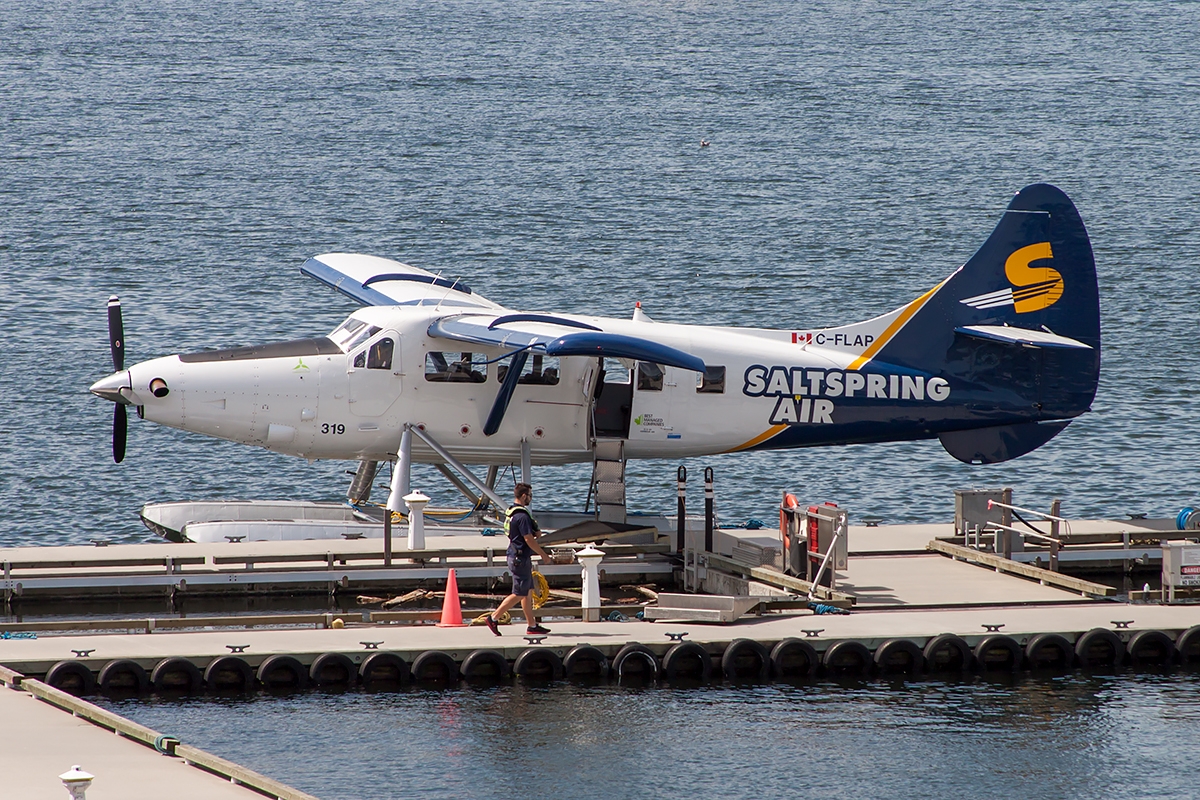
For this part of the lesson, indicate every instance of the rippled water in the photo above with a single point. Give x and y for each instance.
(189, 156)
(1065, 737)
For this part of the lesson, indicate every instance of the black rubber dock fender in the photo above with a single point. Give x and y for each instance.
(746, 660)
(435, 666)
(793, 658)
(1150, 648)
(71, 676)
(1049, 651)
(383, 669)
(484, 665)
(998, 653)
(899, 657)
(847, 658)
(538, 664)
(636, 661)
(176, 674)
(332, 669)
(229, 673)
(585, 661)
(282, 672)
(1099, 647)
(687, 661)
(948, 653)
(1188, 646)
(123, 675)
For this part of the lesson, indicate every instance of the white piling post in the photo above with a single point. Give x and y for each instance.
(416, 503)
(590, 558)
(77, 782)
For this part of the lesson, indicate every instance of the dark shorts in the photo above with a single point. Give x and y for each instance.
(522, 574)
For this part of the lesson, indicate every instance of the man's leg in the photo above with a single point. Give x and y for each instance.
(531, 623)
(505, 605)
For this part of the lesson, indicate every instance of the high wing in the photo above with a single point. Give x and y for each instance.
(374, 281)
(379, 281)
(554, 335)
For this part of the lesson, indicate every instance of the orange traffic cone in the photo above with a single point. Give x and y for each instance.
(451, 608)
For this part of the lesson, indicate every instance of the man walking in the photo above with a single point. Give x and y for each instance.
(522, 544)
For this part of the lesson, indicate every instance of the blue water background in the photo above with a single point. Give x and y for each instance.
(189, 156)
(1039, 737)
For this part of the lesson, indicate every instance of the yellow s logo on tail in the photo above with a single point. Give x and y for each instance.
(1036, 288)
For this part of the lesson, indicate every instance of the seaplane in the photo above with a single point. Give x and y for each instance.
(993, 362)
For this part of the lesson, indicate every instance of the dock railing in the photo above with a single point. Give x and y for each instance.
(1002, 545)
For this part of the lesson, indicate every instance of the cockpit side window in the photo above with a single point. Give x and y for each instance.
(379, 355)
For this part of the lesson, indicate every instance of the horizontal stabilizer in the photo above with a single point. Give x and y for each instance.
(1023, 336)
(993, 445)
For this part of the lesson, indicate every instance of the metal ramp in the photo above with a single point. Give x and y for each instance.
(701, 607)
(608, 479)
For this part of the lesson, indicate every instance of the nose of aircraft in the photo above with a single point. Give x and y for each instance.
(110, 388)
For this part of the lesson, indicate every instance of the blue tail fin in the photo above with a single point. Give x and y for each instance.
(1015, 331)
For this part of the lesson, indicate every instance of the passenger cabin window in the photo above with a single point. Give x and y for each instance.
(539, 369)
(455, 367)
(711, 381)
(649, 377)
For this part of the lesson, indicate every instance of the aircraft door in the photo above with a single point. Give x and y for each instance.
(374, 370)
(612, 400)
(654, 397)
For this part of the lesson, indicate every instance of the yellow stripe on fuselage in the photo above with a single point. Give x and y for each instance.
(774, 430)
(891, 330)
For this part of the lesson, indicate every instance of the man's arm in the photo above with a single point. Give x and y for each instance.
(535, 547)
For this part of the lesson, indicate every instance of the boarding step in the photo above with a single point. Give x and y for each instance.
(702, 607)
(608, 479)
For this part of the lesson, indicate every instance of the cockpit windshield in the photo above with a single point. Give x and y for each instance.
(352, 333)
(344, 332)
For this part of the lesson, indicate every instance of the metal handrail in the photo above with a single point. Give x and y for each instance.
(1042, 514)
(1023, 532)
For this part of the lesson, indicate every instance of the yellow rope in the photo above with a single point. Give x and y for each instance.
(541, 589)
(503, 619)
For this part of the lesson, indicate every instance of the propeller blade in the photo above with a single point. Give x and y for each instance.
(116, 334)
(120, 429)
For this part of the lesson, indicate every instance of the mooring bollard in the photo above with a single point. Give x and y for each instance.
(77, 782)
(416, 503)
(681, 478)
(590, 559)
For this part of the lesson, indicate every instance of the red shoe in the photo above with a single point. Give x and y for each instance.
(537, 629)
(492, 626)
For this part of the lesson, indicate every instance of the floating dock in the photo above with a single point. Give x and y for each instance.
(922, 603)
(58, 730)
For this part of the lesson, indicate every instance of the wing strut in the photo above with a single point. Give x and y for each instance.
(496, 416)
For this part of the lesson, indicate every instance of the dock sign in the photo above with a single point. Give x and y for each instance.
(1180, 566)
